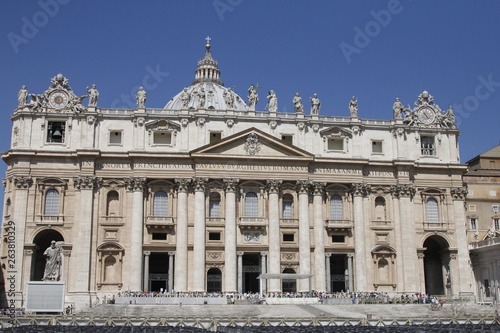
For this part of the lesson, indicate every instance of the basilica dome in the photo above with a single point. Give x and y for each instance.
(207, 90)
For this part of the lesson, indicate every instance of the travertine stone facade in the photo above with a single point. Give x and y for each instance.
(206, 194)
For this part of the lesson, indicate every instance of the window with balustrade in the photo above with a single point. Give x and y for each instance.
(336, 208)
(51, 205)
(160, 203)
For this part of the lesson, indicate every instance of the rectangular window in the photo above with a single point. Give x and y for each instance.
(472, 208)
(487, 290)
(427, 146)
(159, 236)
(56, 131)
(377, 147)
(338, 239)
(336, 144)
(288, 237)
(115, 137)
(495, 208)
(287, 210)
(496, 223)
(214, 236)
(162, 138)
(287, 138)
(473, 224)
(215, 136)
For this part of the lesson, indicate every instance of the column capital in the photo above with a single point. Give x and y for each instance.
(240, 254)
(135, 184)
(458, 193)
(230, 184)
(147, 253)
(328, 255)
(350, 255)
(182, 184)
(22, 182)
(318, 188)
(85, 182)
(171, 254)
(403, 190)
(303, 186)
(360, 189)
(274, 185)
(264, 254)
(199, 184)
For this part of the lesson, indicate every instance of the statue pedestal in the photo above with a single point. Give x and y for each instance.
(45, 296)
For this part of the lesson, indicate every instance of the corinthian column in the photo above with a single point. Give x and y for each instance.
(199, 234)
(409, 257)
(462, 259)
(304, 237)
(358, 191)
(136, 185)
(17, 228)
(319, 240)
(230, 284)
(273, 186)
(181, 236)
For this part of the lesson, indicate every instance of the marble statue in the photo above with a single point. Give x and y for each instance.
(140, 97)
(185, 98)
(201, 98)
(53, 262)
(22, 97)
(315, 104)
(353, 107)
(93, 95)
(229, 98)
(398, 109)
(448, 119)
(272, 103)
(491, 232)
(253, 98)
(297, 103)
(76, 104)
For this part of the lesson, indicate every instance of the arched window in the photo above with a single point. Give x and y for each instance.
(214, 280)
(287, 209)
(336, 208)
(112, 207)
(214, 205)
(251, 205)
(51, 206)
(431, 210)
(380, 212)
(160, 204)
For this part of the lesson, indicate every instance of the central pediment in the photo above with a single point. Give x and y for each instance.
(254, 144)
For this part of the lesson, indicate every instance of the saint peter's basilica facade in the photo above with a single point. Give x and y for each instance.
(208, 193)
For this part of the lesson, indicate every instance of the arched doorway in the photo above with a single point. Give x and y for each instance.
(214, 280)
(437, 266)
(289, 286)
(42, 242)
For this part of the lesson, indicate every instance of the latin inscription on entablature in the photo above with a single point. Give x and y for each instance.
(334, 170)
(252, 167)
(378, 173)
(138, 165)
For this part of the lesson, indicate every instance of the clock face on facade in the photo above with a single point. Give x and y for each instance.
(426, 115)
(58, 99)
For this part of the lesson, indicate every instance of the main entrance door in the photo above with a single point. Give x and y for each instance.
(251, 270)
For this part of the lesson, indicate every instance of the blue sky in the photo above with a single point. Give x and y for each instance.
(374, 50)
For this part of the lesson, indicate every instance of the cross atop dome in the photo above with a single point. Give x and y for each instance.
(208, 69)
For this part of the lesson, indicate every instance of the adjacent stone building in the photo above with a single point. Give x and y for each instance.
(483, 221)
(207, 193)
